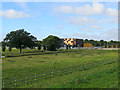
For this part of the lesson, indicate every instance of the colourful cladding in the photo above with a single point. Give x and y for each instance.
(87, 45)
(69, 41)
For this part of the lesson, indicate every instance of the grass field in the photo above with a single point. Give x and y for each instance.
(102, 76)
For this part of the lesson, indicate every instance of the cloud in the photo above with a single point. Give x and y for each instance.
(13, 14)
(111, 34)
(81, 21)
(111, 12)
(96, 27)
(109, 20)
(23, 5)
(59, 27)
(94, 9)
(93, 36)
(63, 9)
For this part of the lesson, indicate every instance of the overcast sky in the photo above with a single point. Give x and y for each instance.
(66, 20)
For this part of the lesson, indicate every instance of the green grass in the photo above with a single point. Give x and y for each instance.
(106, 77)
(28, 65)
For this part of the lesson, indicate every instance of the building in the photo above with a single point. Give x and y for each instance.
(72, 42)
(87, 45)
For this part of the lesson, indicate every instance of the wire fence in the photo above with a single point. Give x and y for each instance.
(33, 78)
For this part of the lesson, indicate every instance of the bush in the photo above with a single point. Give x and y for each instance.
(3, 46)
(39, 47)
(3, 49)
(10, 49)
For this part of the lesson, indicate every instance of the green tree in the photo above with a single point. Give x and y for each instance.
(86, 40)
(20, 38)
(39, 44)
(52, 43)
(102, 42)
(92, 42)
(10, 48)
(3, 46)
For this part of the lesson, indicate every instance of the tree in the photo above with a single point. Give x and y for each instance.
(102, 42)
(20, 38)
(10, 48)
(39, 44)
(52, 43)
(92, 42)
(86, 40)
(3, 46)
(66, 46)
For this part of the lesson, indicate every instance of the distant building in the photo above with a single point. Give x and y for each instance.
(71, 42)
(87, 45)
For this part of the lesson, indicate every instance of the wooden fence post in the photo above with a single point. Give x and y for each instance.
(15, 82)
(71, 69)
(65, 71)
(51, 74)
(90, 65)
(26, 80)
(81, 67)
(3, 84)
(104, 61)
(35, 76)
(58, 72)
(44, 75)
(86, 66)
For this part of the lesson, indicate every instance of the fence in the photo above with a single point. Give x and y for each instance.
(29, 79)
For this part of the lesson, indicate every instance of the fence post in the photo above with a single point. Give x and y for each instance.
(98, 62)
(44, 75)
(107, 61)
(35, 76)
(15, 83)
(86, 66)
(3, 84)
(65, 70)
(104, 61)
(58, 72)
(90, 65)
(113, 60)
(51, 74)
(26, 80)
(71, 69)
(81, 67)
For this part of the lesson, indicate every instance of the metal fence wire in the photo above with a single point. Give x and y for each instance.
(29, 79)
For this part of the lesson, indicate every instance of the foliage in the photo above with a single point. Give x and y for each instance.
(86, 41)
(102, 42)
(20, 39)
(52, 43)
(3, 46)
(10, 48)
(39, 44)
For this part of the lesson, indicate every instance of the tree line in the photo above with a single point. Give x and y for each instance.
(103, 43)
(22, 39)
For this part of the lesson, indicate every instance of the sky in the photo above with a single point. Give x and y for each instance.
(82, 20)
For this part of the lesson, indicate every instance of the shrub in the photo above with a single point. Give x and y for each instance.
(10, 49)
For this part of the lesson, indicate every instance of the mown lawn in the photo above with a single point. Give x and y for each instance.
(28, 65)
